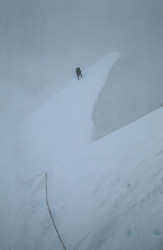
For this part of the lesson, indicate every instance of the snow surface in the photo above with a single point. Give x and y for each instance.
(106, 194)
(124, 97)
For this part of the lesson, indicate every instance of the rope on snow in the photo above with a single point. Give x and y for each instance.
(46, 178)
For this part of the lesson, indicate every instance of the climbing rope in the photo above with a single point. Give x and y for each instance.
(46, 179)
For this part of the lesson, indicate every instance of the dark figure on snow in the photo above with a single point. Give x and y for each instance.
(78, 72)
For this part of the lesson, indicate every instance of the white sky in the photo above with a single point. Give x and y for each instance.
(42, 42)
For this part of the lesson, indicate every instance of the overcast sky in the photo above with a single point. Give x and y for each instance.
(43, 41)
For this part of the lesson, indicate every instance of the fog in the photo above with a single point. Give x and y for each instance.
(42, 42)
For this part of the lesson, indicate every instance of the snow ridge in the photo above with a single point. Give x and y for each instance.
(98, 193)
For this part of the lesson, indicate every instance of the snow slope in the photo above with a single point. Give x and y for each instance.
(120, 181)
(64, 124)
(127, 95)
(103, 195)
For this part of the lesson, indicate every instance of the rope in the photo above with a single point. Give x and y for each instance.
(46, 178)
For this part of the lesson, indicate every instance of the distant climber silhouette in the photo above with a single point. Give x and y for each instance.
(78, 72)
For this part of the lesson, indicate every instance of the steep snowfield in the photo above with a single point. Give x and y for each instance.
(64, 126)
(103, 195)
(127, 95)
(120, 180)
(57, 136)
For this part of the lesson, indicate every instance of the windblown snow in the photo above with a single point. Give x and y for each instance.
(103, 194)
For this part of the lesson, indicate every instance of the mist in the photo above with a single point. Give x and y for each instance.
(42, 42)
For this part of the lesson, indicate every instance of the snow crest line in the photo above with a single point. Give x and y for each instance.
(46, 178)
